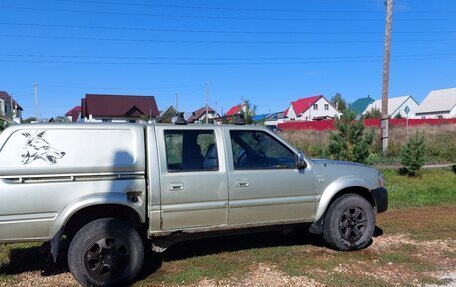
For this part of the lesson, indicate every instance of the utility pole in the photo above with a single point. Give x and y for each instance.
(177, 101)
(207, 102)
(35, 87)
(386, 66)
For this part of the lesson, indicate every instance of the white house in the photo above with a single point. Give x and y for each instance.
(440, 104)
(311, 109)
(199, 116)
(274, 119)
(9, 108)
(398, 105)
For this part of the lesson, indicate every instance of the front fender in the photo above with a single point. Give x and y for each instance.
(336, 186)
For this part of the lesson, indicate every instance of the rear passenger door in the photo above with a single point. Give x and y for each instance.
(194, 185)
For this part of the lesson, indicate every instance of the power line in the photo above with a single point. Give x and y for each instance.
(180, 16)
(216, 8)
(119, 88)
(219, 41)
(217, 31)
(182, 30)
(219, 63)
(237, 9)
(319, 19)
(223, 58)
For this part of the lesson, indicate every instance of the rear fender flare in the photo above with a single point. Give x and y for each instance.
(89, 200)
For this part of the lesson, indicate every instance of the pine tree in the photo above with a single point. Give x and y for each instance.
(374, 113)
(413, 154)
(338, 101)
(351, 141)
(250, 112)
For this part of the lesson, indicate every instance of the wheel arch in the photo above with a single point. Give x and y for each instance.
(325, 202)
(103, 210)
(343, 186)
(97, 206)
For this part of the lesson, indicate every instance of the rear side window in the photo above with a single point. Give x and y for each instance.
(259, 150)
(191, 150)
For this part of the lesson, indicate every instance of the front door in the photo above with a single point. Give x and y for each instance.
(194, 185)
(264, 182)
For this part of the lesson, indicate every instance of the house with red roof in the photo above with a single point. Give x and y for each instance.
(236, 110)
(313, 108)
(74, 114)
(118, 108)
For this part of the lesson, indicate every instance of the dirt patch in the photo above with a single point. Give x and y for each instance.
(37, 279)
(263, 275)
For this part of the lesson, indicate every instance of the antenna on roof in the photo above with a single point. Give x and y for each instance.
(180, 119)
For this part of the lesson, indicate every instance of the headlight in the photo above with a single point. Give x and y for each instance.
(381, 180)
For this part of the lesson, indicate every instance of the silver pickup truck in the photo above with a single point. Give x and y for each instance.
(116, 190)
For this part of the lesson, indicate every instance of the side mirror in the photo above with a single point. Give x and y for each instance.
(300, 162)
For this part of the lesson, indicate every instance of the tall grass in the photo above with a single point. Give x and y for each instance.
(440, 143)
(432, 187)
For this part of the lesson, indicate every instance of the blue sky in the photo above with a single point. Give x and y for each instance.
(270, 52)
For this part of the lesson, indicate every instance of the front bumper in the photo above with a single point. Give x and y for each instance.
(381, 199)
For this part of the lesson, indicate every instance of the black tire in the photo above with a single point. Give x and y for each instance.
(349, 223)
(106, 252)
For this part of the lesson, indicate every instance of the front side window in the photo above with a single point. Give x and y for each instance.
(259, 150)
(315, 106)
(191, 150)
(326, 107)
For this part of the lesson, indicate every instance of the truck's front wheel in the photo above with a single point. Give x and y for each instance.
(106, 252)
(349, 223)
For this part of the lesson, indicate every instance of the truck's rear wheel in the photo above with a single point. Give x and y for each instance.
(349, 223)
(106, 252)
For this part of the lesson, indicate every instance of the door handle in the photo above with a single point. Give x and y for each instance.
(242, 183)
(176, 186)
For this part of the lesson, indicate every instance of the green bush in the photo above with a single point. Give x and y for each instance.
(413, 154)
(351, 141)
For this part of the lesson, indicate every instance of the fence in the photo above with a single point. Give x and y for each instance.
(329, 124)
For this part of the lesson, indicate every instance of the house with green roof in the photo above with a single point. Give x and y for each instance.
(360, 105)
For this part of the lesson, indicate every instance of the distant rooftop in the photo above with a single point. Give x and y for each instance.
(119, 106)
(393, 104)
(360, 105)
(438, 101)
(303, 104)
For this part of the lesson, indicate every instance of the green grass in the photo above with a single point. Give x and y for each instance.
(432, 187)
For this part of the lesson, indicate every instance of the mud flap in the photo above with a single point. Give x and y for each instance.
(55, 243)
(317, 226)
